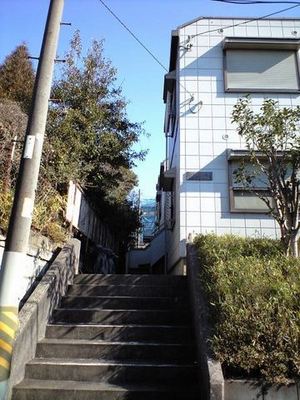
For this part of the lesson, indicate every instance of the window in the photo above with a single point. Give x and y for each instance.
(261, 65)
(241, 198)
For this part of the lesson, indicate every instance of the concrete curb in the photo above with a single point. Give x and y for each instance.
(36, 311)
(243, 389)
(210, 371)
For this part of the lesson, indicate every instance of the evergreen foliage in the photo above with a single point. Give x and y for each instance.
(253, 292)
(89, 138)
(17, 77)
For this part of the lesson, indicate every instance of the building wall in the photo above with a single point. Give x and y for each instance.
(149, 254)
(174, 252)
(206, 131)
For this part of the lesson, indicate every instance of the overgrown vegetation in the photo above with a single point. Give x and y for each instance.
(253, 292)
(15, 98)
(89, 139)
(13, 123)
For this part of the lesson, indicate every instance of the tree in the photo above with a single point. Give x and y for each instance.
(17, 77)
(273, 139)
(13, 123)
(16, 85)
(89, 136)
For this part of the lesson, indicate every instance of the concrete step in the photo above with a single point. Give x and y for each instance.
(144, 280)
(116, 337)
(36, 389)
(120, 333)
(126, 290)
(124, 302)
(117, 317)
(93, 370)
(156, 352)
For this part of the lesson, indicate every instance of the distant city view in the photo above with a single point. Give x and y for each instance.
(148, 219)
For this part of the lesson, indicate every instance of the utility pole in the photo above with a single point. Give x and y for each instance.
(14, 258)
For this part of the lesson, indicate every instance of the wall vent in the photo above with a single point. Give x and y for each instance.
(199, 176)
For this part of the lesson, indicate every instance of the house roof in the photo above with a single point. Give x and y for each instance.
(237, 18)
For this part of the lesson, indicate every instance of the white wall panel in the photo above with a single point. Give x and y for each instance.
(203, 206)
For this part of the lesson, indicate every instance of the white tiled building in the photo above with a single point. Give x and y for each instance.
(213, 62)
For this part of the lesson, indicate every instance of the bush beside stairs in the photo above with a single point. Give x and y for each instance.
(116, 337)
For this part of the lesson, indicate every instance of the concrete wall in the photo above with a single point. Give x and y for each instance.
(40, 251)
(210, 371)
(36, 312)
(249, 390)
(149, 254)
(179, 268)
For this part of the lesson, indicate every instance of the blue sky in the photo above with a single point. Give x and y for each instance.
(141, 77)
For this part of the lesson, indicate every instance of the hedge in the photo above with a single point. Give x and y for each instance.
(253, 291)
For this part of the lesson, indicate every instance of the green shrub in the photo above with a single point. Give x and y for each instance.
(253, 291)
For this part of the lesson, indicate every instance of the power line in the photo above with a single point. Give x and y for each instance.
(248, 20)
(140, 42)
(211, 30)
(133, 35)
(257, 2)
(199, 34)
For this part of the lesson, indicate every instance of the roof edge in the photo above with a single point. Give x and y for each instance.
(238, 18)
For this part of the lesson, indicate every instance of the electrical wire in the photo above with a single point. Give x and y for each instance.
(201, 33)
(141, 43)
(248, 20)
(297, 4)
(133, 35)
(257, 2)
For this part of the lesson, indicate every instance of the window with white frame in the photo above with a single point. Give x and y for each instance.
(261, 65)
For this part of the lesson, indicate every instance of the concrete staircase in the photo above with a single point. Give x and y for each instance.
(116, 337)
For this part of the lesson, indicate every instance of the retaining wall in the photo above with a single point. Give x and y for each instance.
(36, 311)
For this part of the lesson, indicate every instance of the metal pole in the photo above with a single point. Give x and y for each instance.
(12, 279)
